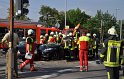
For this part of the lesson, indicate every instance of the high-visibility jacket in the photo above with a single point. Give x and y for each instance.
(66, 44)
(29, 44)
(42, 41)
(51, 39)
(112, 53)
(83, 42)
(95, 42)
(71, 43)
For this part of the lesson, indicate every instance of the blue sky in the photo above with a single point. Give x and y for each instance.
(89, 6)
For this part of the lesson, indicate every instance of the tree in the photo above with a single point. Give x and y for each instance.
(48, 15)
(24, 17)
(76, 16)
(101, 23)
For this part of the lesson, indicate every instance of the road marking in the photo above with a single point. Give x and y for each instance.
(64, 70)
(54, 74)
(48, 76)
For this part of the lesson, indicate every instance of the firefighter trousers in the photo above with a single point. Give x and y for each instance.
(112, 72)
(95, 54)
(83, 58)
(22, 65)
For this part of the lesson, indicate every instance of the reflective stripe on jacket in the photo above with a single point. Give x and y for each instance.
(83, 42)
(29, 44)
(113, 54)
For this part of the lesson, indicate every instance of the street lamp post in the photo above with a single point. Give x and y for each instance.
(65, 11)
(120, 23)
(116, 12)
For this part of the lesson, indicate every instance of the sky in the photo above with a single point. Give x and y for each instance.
(114, 7)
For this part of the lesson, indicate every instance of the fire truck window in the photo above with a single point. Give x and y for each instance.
(49, 32)
(3, 31)
(20, 32)
(43, 32)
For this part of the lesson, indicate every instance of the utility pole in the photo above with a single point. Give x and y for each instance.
(10, 63)
(120, 23)
(117, 13)
(65, 11)
(101, 34)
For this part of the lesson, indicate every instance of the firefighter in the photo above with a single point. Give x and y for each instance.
(51, 38)
(59, 38)
(71, 46)
(83, 51)
(95, 42)
(46, 38)
(66, 47)
(5, 40)
(30, 48)
(42, 39)
(90, 49)
(122, 62)
(76, 51)
(111, 53)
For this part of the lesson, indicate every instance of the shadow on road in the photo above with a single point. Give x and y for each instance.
(93, 77)
(49, 72)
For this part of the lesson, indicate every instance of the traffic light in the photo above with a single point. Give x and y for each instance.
(21, 7)
(25, 4)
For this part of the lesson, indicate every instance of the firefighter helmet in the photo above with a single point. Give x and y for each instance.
(70, 34)
(30, 31)
(24, 38)
(46, 34)
(94, 34)
(51, 33)
(41, 36)
(60, 33)
(112, 31)
(88, 34)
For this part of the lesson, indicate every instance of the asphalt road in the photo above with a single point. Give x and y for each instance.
(59, 70)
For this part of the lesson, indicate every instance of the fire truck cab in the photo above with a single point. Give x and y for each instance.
(22, 27)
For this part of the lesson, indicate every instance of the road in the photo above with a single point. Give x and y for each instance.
(59, 69)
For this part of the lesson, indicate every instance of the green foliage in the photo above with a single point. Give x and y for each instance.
(98, 24)
(101, 21)
(76, 16)
(48, 15)
(24, 17)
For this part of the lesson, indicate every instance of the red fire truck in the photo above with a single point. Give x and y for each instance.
(22, 27)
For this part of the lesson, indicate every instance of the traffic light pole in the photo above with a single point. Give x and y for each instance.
(10, 63)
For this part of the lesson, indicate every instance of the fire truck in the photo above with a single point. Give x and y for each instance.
(21, 28)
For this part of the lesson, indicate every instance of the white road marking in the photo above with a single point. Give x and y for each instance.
(54, 74)
(64, 70)
(48, 76)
